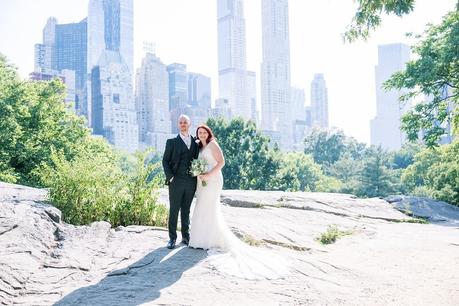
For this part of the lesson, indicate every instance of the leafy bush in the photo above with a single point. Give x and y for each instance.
(332, 234)
(92, 187)
(435, 173)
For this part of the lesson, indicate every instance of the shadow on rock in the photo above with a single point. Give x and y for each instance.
(139, 283)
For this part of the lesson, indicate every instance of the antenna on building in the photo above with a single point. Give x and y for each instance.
(149, 46)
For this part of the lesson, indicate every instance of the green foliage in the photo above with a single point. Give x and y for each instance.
(325, 147)
(435, 173)
(377, 178)
(406, 155)
(435, 74)
(249, 163)
(92, 187)
(368, 16)
(44, 144)
(332, 234)
(297, 172)
(33, 122)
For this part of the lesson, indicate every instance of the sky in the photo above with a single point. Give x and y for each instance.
(185, 31)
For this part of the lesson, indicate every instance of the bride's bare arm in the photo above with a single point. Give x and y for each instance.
(218, 155)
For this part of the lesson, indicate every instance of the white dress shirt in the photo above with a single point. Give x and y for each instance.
(186, 140)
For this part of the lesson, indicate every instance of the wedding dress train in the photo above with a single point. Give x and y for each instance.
(226, 252)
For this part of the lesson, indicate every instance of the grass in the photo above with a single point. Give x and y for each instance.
(251, 240)
(332, 234)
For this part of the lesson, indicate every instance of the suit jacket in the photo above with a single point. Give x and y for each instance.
(171, 157)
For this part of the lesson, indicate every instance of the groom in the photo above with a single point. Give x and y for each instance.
(179, 153)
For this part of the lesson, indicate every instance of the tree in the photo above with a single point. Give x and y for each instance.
(435, 74)
(297, 172)
(435, 173)
(377, 179)
(33, 121)
(368, 16)
(325, 147)
(249, 162)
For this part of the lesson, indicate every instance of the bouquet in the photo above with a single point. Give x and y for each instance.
(198, 167)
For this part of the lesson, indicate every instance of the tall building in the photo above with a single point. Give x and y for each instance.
(298, 116)
(62, 54)
(44, 52)
(66, 76)
(385, 127)
(319, 102)
(113, 109)
(152, 102)
(221, 109)
(70, 53)
(232, 62)
(252, 94)
(110, 27)
(199, 90)
(178, 86)
(189, 94)
(275, 73)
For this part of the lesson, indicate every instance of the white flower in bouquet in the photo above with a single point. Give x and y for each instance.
(198, 167)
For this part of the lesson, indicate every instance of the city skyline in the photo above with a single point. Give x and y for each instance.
(199, 51)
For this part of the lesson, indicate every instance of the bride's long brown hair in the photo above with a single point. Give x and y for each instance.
(210, 137)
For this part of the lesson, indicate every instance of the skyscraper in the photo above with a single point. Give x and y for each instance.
(319, 102)
(232, 62)
(62, 54)
(252, 95)
(189, 94)
(385, 127)
(111, 103)
(110, 27)
(152, 102)
(298, 117)
(199, 90)
(71, 53)
(113, 108)
(275, 72)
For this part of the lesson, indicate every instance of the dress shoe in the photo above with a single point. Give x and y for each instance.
(171, 244)
(185, 241)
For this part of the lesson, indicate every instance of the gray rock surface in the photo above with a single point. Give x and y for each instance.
(434, 211)
(385, 261)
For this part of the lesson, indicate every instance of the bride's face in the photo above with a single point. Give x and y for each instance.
(202, 135)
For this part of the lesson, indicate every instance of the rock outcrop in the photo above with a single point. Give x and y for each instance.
(388, 259)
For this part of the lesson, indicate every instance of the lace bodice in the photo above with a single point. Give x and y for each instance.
(207, 155)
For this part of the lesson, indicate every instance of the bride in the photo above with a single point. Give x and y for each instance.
(209, 231)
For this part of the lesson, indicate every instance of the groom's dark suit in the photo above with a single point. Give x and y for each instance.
(176, 163)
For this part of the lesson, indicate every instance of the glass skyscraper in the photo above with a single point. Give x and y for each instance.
(319, 102)
(232, 73)
(71, 53)
(275, 73)
(385, 127)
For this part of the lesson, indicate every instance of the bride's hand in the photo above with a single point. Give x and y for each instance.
(203, 177)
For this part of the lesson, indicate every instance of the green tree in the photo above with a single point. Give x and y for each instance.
(377, 178)
(368, 16)
(347, 169)
(435, 73)
(249, 162)
(435, 173)
(297, 172)
(406, 155)
(325, 146)
(34, 121)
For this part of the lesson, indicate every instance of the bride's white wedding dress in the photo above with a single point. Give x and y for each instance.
(226, 252)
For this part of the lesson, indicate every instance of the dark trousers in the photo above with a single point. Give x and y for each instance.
(181, 193)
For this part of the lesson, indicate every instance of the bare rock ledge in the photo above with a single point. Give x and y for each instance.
(386, 260)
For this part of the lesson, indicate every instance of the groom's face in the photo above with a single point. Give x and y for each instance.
(184, 125)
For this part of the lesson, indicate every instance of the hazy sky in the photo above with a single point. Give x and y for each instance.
(185, 31)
